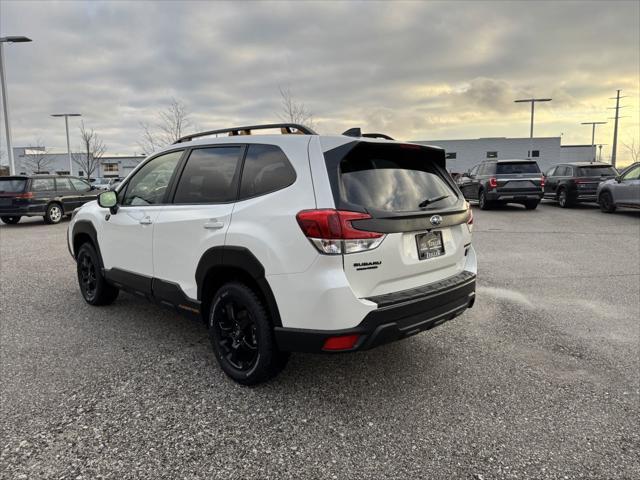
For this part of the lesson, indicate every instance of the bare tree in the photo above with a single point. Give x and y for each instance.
(171, 124)
(633, 149)
(37, 157)
(294, 111)
(92, 149)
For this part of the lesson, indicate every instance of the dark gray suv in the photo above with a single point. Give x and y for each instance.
(498, 182)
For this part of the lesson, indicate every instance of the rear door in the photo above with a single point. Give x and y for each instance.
(549, 180)
(44, 190)
(411, 199)
(199, 216)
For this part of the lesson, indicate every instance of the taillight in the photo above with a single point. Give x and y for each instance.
(542, 180)
(493, 182)
(470, 218)
(25, 195)
(332, 232)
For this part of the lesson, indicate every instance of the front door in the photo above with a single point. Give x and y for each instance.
(628, 190)
(126, 242)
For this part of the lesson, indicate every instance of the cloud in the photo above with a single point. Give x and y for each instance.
(410, 69)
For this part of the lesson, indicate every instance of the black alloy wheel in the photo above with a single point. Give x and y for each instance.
(236, 333)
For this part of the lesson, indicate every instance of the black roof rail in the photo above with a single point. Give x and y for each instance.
(285, 128)
(357, 132)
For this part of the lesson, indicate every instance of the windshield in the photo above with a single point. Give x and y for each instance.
(596, 171)
(392, 178)
(508, 168)
(12, 185)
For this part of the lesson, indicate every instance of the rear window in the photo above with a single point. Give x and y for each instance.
(510, 168)
(12, 185)
(596, 171)
(393, 178)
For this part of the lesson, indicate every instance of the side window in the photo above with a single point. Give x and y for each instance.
(474, 170)
(149, 185)
(210, 176)
(633, 174)
(43, 185)
(63, 185)
(560, 171)
(266, 169)
(80, 185)
(550, 172)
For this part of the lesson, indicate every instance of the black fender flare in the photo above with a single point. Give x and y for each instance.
(242, 259)
(86, 227)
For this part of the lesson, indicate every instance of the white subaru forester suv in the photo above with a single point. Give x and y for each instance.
(284, 242)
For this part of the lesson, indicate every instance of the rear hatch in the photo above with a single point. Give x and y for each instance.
(410, 198)
(589, 177)
(11, 191)
(518, 177)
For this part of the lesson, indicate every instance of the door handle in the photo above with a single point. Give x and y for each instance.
(213, 224)
(146, 221)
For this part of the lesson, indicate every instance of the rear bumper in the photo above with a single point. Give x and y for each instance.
(514, 196)
(399, 315)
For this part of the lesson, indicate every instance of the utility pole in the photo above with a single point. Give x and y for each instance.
(532, 101)
(66, 124)
(593, 136)
(615, 126)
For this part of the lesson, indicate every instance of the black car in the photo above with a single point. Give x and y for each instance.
(498, 182)
(49, 196)
(570, 183)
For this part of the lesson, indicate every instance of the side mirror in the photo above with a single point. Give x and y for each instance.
(109, 200)
(618, 178)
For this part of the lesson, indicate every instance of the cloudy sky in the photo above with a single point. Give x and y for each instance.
(415, 70)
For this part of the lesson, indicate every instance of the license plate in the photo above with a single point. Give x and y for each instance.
(429, 245)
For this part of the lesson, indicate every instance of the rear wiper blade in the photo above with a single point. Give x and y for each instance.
(432, 200)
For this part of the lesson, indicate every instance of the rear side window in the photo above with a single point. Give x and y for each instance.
(511, 168)
(266, 169)
(63, 184)
(596, 171)
(210, 176)
(12, 185)
(43, 185)
(394, 178)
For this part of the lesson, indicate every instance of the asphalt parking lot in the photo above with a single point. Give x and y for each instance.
(539, 380)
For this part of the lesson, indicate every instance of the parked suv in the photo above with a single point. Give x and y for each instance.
(498, 182)
(622, 191)
(49, 196)
(292, 242)
(570, 183)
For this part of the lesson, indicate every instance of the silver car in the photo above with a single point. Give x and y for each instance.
(622, 191)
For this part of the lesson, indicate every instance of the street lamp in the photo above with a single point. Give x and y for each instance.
(593, 136)
(533, 102)
(66, 125)
(5, 104)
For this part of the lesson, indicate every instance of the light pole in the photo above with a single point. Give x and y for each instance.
(5, 105)
(593, 136)
(66, 125)
(533, 102)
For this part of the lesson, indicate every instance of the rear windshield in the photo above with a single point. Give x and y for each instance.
(12, 185)
(596, 171)
(393, 178)
(508, 168)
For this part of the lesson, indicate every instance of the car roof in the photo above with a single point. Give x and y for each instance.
(512, 160)
(587, 164)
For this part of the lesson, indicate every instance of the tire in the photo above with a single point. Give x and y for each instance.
(606, 202)
(54, 213)
(93, 286)
(563, 198)
(242, 337)
(11, 220)
(483, 203)
(532, 205)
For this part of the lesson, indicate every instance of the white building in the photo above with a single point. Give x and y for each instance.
(547, 151)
